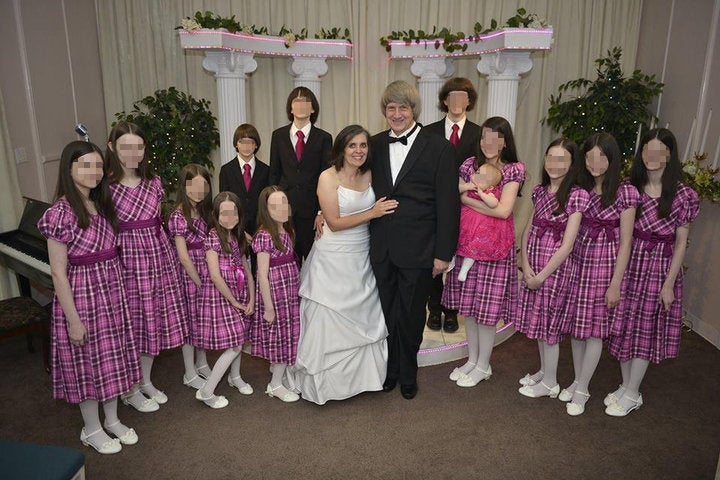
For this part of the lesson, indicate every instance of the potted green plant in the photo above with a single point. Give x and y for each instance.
(611, 103)
(180, 130)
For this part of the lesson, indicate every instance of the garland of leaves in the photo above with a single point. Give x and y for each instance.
(452, 41)
(213, 21)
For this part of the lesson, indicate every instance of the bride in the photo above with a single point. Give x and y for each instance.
(342, 349)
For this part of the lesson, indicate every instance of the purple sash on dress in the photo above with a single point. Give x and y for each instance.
(283, 259)
(239, 271)
(195, 245)
(654, 239)
(544, 226)
(93, 258)
(595, 226)
(139, 224)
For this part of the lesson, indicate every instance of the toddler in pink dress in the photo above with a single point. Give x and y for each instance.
(483, 237)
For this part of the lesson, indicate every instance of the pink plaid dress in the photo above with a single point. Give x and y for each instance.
(541, 311)
(108, 363)
(489, 293)
(195, 242)
(277, 342)
(642, 327)
(218, 325)
(151, 276)
(594, 255)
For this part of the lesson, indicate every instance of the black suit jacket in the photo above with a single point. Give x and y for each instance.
(426, 222)
(469, 140)
(231, 180)
(299, 180)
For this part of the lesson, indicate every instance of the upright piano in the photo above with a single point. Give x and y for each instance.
(25, 250)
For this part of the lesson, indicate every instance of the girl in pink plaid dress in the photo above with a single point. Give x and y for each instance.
(489, 292)
(151, 277)
(600, 255)
(277, 322)
(188, 226)
(227, 298)
(94, 358)
(649, 318)
(547, 242)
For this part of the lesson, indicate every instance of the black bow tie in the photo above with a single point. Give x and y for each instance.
(404, 138)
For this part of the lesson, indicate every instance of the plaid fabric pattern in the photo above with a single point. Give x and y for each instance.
(218, 325)
(277, 342)
(594, 255)
(541, 310)
(108, 363)
(489, 293)
(642, 327)
(483, 237)
(151, 276)
(178, 227)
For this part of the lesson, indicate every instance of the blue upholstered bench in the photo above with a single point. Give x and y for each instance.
(27, 461)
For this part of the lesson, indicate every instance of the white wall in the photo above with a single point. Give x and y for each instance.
(50, 79)
(689, 35)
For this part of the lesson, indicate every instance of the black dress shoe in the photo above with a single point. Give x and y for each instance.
(451, 323)
(433, 321)
(409, 391)
(389, 384)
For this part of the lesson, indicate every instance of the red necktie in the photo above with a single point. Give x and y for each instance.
(246, 176)
(454, 139)
(300, 145)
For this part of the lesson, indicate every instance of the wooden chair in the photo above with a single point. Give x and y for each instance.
(24, 316)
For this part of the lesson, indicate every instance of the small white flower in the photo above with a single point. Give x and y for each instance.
(690, 169)
(289, 39)
(190, 24)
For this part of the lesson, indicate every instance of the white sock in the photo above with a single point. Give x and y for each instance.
(465, 268)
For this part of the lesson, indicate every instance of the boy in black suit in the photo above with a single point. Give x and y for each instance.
(246, 175)
(299, 152)
(457, 96)
(411, 246)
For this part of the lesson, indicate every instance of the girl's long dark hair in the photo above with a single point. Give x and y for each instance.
(100, 195)
(265, 221)
(671, 177)
(205, 206)
(114, 167)
(563, 194)
(502, 127)
(609, 147)
(224, 234)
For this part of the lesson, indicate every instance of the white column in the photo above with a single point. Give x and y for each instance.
(431, 73)
(503, 70)
(307, 72)
(230, 69)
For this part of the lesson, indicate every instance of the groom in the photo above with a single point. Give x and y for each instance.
(411, 246)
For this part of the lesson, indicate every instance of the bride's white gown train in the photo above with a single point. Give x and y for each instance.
(342, 349)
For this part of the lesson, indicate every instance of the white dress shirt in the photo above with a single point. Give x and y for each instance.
(448, 127)
(294, 130)
(398, 151)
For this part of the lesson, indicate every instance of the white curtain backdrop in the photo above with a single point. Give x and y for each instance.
(10, 200)
(140, 53)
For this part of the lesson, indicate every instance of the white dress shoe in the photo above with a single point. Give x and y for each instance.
(575, 409)
(128, 438)
(282, 393)
(475, 376)
(107, 448)
(530, 391)
(617, 410)
(245, 388)
(145, 406)
(457, 372)
(213, 401)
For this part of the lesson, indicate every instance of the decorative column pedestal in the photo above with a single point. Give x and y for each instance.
(431, 73)
(307, 72)
(230, 69)
(230, 56)
(503, 70)
(504, 56)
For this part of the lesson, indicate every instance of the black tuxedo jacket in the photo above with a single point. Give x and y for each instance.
(469, 140)
(426, 221)
(231, 180)
(299, 180)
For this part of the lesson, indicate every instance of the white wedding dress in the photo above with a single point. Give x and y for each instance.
(342, 349)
